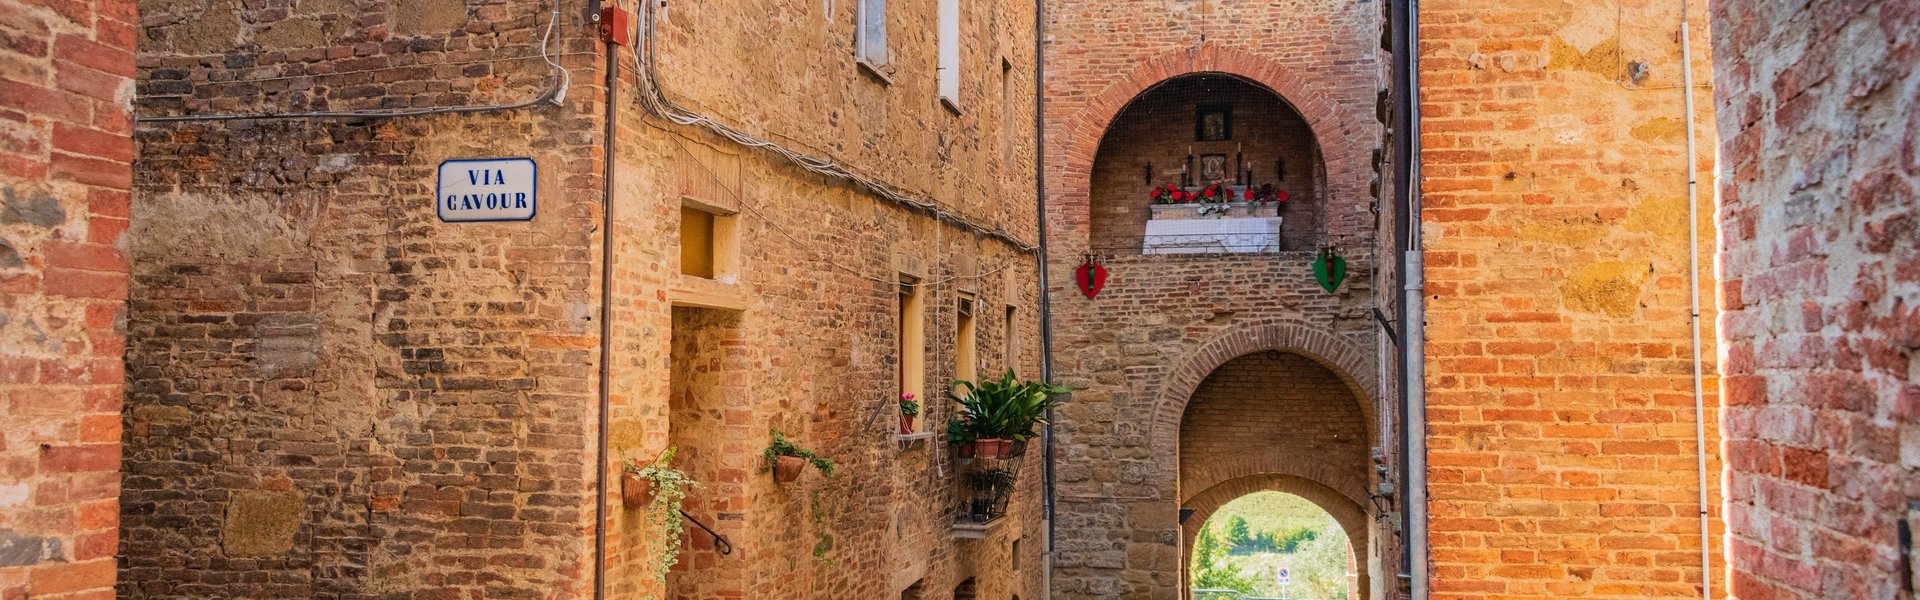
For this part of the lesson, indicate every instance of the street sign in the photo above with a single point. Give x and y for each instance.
(1284, 576)
(486, 189)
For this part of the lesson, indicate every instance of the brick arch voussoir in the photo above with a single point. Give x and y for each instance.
(1345, 359)
(1348, 481)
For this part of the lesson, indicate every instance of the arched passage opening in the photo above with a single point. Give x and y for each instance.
(1272, 544)
(1276, 421)
(1207, 163)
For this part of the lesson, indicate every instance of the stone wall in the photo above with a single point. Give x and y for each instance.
(1561, 440)
(801, 336)
(1164, 323)
(1821, 294)
(332, 392)
(65, 81)
(342, 393)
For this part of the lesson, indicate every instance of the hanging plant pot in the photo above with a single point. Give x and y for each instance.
(906, 424)
(968, 449)
(786, 469)
(995, 448)
(635, 491)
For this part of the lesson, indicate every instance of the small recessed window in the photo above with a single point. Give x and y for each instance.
(707, 243)
(911, 334)
(870, 39)
(966, 342)
(950, 53)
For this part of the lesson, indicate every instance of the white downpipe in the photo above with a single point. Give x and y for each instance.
(1693, 291)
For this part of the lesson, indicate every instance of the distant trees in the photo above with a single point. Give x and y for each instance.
(1210, 572)
(1242, 541)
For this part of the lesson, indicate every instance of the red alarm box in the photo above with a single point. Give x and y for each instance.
(616, 25)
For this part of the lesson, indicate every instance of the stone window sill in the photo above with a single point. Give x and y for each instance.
(905, 440)
(968, 530)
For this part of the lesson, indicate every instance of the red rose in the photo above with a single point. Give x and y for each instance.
(1249, 195)
(1209, 193)
(1180, 196)
(1282, 196)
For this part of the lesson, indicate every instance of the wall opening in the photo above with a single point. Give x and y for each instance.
(1272, 544)
(708, 243)
(707, 379)
(910, 333)
(966, 340)
(1193, 132)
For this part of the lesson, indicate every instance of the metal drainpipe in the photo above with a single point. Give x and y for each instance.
(1046, 306)
(606, 328)
(1414, 348)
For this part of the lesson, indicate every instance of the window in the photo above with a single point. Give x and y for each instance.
(706, 243)
(912, 339)
(1015, 558)
(964, 591)
(964, 342)
(870, 38)
(1006, 114)
(950, 53)
(1010, 334)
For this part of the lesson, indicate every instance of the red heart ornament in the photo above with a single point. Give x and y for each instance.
(1091, 276)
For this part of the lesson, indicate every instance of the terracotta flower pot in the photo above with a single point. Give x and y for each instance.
(968, 449)
(906, 424)
(635, 491)
(786, 469)
(995, 448)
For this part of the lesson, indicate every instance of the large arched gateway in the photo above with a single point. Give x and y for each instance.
(1205, 182)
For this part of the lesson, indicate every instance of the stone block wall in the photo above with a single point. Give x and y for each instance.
(802, 335)
(1820, 288)
(339, 391)
(332, 392)
(1559, 389)
(66, 78)
(1163, 323)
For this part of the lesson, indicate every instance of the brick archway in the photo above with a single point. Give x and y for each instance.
(1343, 358)
(1348, 512)
(1339, 137)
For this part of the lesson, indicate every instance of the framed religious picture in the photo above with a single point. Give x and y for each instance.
(1213, 167)
(1213, 122)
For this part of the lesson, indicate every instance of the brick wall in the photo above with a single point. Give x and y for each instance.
(1561, 436)
(332, 392)
(1164, 323)
(1156, 130)
(802, 338)
(65, 80)
(340, 391)
(1821, 293)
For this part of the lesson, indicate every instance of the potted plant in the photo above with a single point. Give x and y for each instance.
(991, 488)
(909, 408)
(961, 438)
(786, 459)
(659, 488)
(1002, 414)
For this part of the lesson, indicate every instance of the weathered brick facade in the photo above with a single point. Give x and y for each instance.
(66, 79)
(342, 396)
(1561, 441)
(1163, 324)
(1820, 291)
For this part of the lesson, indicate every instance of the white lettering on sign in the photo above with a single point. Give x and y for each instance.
(486, 189)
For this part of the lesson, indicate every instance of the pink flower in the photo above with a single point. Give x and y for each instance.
(906, 396)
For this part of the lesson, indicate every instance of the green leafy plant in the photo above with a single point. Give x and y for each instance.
(994, 482)
(1004, 408)
(909, 406)
(781, 447)
(958, 432)
(823, 541)
(670, 487)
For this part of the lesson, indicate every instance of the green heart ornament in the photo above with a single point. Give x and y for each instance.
(1329, 270)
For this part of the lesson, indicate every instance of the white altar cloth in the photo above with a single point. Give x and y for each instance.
(1212, 236)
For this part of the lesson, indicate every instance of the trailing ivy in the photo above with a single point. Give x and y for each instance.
(670, 487)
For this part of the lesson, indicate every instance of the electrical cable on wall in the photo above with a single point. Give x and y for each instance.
(655, 100)
(555, 93)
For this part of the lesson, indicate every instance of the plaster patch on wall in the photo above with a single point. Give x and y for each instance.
(1603, 59)
(1609, 287)
(1662, 130)
(261, 523)
(428, 17)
